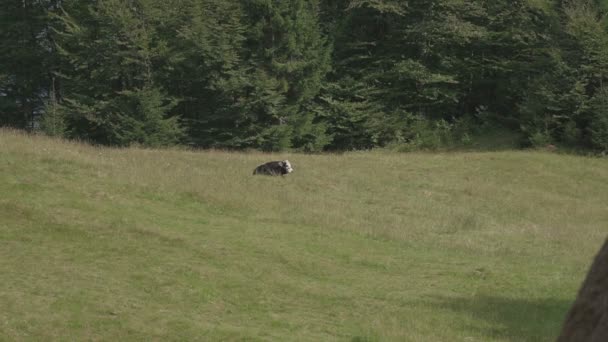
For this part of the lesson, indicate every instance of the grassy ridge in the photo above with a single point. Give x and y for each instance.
(136, 244)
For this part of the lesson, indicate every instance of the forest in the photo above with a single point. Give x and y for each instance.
(307, 75)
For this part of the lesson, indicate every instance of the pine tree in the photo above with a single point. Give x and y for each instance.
(25, 58)
(434, 65)
(208, 73)
(111, 53)
(397, 64)
(289, 58)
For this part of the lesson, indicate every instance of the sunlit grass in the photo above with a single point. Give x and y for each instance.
(132, 244)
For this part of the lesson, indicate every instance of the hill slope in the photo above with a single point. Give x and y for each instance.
(132, 244)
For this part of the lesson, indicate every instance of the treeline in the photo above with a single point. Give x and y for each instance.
(307, 75)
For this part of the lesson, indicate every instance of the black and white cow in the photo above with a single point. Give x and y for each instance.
(274, 168)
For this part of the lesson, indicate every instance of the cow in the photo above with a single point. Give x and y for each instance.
(274, 168)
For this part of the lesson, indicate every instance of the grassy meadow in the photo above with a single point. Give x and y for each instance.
(143, 245)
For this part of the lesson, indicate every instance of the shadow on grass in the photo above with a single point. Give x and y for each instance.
(511, 319)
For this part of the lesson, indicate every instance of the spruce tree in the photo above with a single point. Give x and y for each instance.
(25, 58)
(288, 58)
(110, 94)
(208, 75)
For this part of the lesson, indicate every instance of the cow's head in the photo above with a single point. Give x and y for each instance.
(287, 166)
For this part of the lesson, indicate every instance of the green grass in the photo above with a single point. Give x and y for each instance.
(131, 244)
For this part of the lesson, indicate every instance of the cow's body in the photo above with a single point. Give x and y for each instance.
(274, 168)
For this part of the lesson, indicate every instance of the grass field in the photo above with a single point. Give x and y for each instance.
(133, 244)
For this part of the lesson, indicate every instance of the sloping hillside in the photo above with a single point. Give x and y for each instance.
(104, 244)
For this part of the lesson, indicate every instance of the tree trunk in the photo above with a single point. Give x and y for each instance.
(587, 320)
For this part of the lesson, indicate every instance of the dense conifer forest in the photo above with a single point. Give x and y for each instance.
(307, 75)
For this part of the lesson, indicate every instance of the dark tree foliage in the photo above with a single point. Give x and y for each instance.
(25, 60)
(110, 53)
(207, 74)
(288, 58)
(307, 75)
